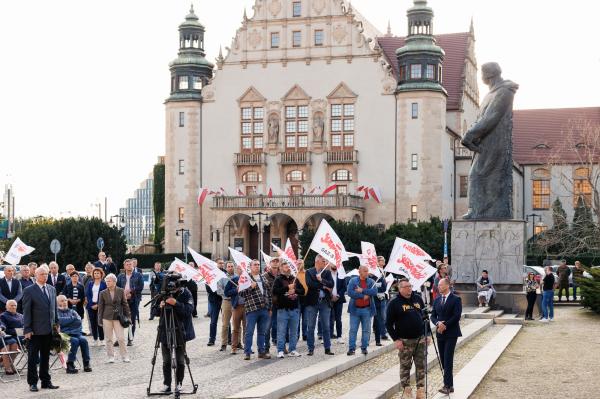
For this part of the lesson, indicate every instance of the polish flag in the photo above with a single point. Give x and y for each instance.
(329, 189)
(366, 193)
(375, 194)
(240, 193)
(289, 190)
(222, 190)
(270, 193)
(202, 196)
(312, 190)
(360, 188)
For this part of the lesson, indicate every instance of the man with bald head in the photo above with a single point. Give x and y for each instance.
(318, 303)
(55, 279)
(362, 292)
(446, 313)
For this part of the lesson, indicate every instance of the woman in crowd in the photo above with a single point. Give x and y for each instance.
(9, 322)
(531, 288)
(70, 324)
(92, 294)
(111, 306)
(75, 294)
(548, 296)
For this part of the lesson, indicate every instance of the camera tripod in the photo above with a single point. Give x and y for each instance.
(168, 324)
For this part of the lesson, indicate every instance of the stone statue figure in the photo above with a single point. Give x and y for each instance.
(318, 127)
(273, 129)
(490, 139)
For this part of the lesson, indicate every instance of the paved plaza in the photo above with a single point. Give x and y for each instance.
(217, 374)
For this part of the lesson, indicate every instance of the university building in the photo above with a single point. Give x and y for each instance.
(309, 95)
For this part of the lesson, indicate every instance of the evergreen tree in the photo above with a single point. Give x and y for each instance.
(584, 231)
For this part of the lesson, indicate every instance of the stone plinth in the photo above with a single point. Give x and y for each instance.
(497, 246)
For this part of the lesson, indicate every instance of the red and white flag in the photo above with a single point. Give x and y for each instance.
(289, 250)
(312, 190)
(240, 259)
(327, 244)
(17, 250)
(369, 258)
(284, 256)
(240, 193)
(360, 188)
(222, 190)
(270, 193)
(411, 261)
(266, 257)
(208, 270)
(202, 196)
(375, 194)
(329, 189)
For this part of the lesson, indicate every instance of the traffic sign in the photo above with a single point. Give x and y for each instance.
(100, 243)
(55, 246)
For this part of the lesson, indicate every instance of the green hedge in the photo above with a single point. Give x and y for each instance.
(590, 290)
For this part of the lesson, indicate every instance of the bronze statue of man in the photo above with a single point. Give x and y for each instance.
(490, 139)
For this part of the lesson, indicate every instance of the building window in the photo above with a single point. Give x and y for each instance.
(197, 82)
(341, 189)
(296, 128)
(296, 190)
(464, 186)
(183, 83)
(296, 38)
(297, 9)
(540, 228)
(181, 119)
(413, 213)
(295, 175)
(252, 128)
(251, 177)
(415, 71)
(402, 73)
(430, 72)
(541, 189)
(181, 166)
(342, 125)
(415, 110)
(274, 39)
(341, 175)
(319, 38)
(414, 161)
(181, 214)
(582, 188)
(251, 190)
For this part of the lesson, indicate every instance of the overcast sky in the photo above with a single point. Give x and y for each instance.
(82, 83)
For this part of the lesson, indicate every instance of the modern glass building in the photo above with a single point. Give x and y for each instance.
(137, 218)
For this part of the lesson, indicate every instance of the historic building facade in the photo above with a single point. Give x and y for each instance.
(310, 94)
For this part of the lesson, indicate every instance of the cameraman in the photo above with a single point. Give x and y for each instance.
(181, 304)
(406, 325)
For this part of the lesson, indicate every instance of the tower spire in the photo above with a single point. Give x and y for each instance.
(389, 30)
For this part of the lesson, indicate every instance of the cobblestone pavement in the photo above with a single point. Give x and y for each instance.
(218, 374)
(553, 360)
(347, 380)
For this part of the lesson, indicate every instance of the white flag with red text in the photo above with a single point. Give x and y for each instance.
(411, 261)
(327, 244)
(369, 258)
(266, 257)
(240, 259)
(284, 256)
(17, 250)
(208, 270)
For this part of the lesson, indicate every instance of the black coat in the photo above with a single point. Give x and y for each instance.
(15, 292)
(314, 286)
(39, 310)
(61, 281)
(68, 292)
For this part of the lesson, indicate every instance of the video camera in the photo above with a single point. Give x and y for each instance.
(171, 283)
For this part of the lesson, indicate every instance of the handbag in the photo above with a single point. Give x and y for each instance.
(123, 320)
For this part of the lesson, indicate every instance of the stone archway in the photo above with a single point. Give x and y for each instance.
(284, 226)
(313, 221)
(235, 233)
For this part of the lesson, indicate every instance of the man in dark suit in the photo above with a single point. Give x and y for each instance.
(10, 287)
(338, 298)
(106, 264)
(446, 313)
(133, 284)
(58, 281)
(39, 318)
(318, 302)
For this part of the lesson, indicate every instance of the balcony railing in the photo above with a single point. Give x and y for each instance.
(294, 158)
(250, 158)
(346, 156)
(290, 202)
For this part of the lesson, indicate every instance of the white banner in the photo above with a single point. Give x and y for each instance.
(186, 271)
(410, 260)
(289, 250)
(208, 269)
(17, 250)
(241, 260)
(284, 256)
(266, 257)
(369, 258)
(327, 244)
(389, 279)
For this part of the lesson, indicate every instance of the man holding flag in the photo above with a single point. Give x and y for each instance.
(257, 305)
(239, 282)
(318, 302)
(285, 294)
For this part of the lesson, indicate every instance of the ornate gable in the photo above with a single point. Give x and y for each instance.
(341, 91)
(251, 96)
(296, 93)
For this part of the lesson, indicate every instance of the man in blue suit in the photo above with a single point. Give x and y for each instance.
(39, 319)
(446, 313)
(55, 279)
(133, 284)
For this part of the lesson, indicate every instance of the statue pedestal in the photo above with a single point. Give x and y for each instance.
(497, 246)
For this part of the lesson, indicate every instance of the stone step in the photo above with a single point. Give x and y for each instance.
(469, 377)
(570, 303)
(387, 383)
(491, 314)
(513, 319)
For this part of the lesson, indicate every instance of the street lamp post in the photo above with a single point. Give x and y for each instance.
(185, 236)
(533, 216)
(260, 224)
(229, 226)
